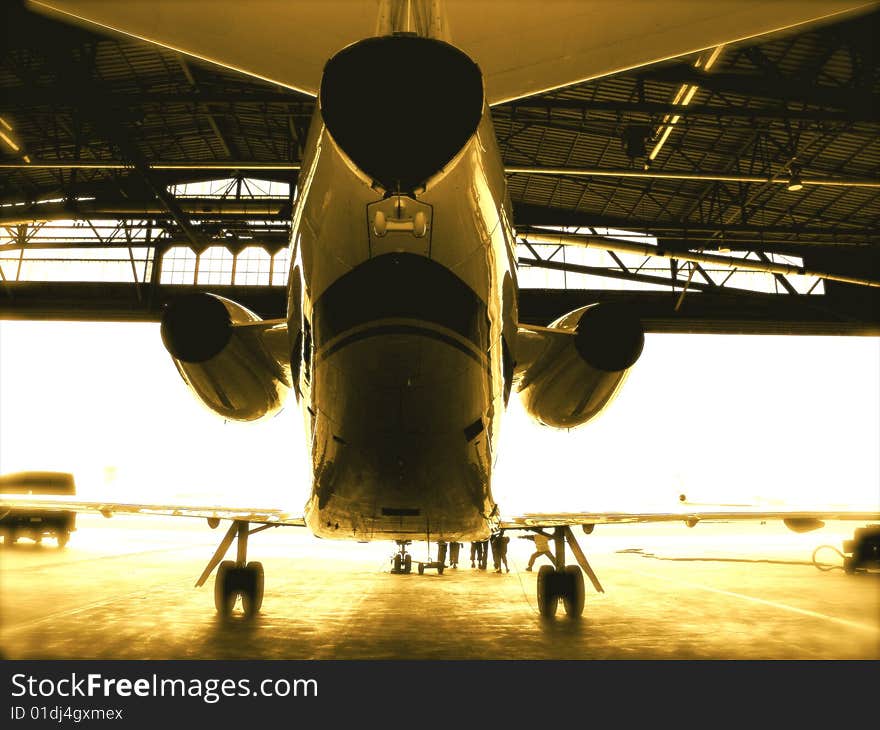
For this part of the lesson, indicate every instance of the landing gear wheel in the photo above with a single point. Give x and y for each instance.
(63, 538)
(252, 588)
(396, 563)
(407, 564)
(224, 590)
(548, 598)
(572, 580)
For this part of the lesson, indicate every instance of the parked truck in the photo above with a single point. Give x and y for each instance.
(36, 523)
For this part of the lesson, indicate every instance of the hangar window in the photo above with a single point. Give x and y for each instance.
(178, 266)
(255, 188)
(205, 189)
(536, 277)
(215, 266)
(280, 266)
(252, 266)
(74, 250)
(82, 264)
(229, 187)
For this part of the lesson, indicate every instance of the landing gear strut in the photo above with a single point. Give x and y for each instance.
(562, 581)
(236, 577)
(401, 563)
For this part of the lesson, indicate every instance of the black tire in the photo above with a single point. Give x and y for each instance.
(224, 593)
(407, 564)
(253, 579)
(573, 595)
(440, 569)
(395, 564)
(548, 598)
(421, 568)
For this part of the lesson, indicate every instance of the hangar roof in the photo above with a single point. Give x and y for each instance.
(700, 159)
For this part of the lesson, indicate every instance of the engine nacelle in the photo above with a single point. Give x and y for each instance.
(572, 376)
(237, 366)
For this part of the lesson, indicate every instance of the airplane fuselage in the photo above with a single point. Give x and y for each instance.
(402, 314)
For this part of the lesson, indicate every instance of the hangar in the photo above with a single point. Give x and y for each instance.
(131, 174)
(732, 189)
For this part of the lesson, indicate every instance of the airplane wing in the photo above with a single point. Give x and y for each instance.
(523, 47)
(796, 519)
(52, 503)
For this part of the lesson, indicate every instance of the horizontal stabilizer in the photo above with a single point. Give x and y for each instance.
(523, 47)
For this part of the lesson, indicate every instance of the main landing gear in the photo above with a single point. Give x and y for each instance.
(564, 582)
(236, 577)
(401, 563)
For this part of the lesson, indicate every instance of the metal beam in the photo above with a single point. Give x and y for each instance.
(536, 215)
(211, 208)
(720, 312)
(730, 262)
(509, 169)
(16, 98)
(602, 271)
(685, 175)
(717, 312)
(221, 165)
(775, 113)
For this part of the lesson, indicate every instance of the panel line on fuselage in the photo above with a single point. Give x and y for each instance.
(403, 326)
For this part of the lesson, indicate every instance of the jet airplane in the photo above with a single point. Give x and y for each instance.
(402, 342)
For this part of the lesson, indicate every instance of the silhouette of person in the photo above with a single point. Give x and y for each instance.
(499, 551)
(484, 554)
(502, 542)
(454, 549)
(475, 554)
(542, 547)
(496, 554)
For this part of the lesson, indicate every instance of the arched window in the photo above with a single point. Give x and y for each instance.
(280, 266)
(252, 267)
(178, 266)
(215, 266)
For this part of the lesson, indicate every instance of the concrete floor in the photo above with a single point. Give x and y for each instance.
(123, 589)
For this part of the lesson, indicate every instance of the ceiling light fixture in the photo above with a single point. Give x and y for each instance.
(794, 179)
(689, 95)
(8, 140)
(714, 57)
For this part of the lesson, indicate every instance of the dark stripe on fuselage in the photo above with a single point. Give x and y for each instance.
(401, 286)
(402, 329)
